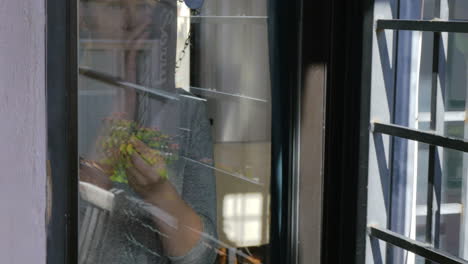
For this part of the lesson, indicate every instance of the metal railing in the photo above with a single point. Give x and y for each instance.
(427, 250)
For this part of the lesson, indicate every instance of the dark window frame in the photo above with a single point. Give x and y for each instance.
(61, 75)
(347, 41)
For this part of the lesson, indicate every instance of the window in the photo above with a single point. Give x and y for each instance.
(417, 161)
(174, 139)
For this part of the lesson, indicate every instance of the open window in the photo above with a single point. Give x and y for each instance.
(417, 161)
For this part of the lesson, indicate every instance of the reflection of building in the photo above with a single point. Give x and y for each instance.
(242, 218)
(231, 69)
(104, 47)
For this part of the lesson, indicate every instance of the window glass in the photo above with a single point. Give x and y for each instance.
(174, 131)
(452, 94)
(458, 9)
(450, 191)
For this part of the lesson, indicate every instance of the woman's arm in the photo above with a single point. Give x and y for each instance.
(160, 193)
(194, 241)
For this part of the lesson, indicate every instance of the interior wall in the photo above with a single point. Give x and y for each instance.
(22, 132)
(311, 163)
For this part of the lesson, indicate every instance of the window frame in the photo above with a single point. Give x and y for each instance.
(61, 76)
(62, 125)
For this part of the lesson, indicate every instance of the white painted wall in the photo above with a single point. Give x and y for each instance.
(22, 132)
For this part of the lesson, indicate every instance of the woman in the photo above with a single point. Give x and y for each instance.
(138, 230)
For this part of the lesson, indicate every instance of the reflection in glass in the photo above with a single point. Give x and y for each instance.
(174, 132)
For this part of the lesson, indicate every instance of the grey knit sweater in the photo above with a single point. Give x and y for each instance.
(128, 234)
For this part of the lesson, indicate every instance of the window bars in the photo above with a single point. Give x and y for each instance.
(419, 248)
(426, 250)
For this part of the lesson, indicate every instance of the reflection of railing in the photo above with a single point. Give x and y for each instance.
(97, 214)
(229, 19)
(98, 197)
(198, 89)
(236, 175)
(118, 44)
(112, 80)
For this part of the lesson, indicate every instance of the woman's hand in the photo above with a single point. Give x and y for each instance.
(146, 176)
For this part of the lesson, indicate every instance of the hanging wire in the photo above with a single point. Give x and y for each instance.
(143, 99)
(188, 41)
(187, 44)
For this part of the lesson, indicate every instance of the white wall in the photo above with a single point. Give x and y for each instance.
(22, 132)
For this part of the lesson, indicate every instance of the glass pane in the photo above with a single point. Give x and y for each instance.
(450, 165)
(452, 109)
(174, 132)
(455, 75)
(447, 190)
(421, 191)
(458, 9)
